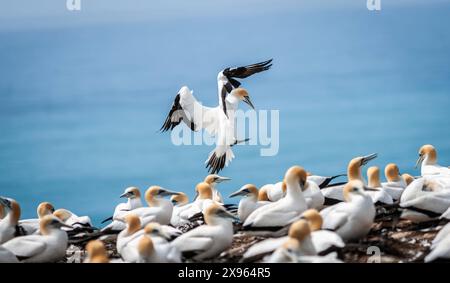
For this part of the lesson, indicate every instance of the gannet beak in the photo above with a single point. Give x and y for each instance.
(221, 179)
(419, 161)
(367, 158)
(5, 202)
(237, 193)
(164, 193)
(247, 100)
(124, 195)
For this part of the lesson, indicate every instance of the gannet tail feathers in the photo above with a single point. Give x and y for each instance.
(218, 160)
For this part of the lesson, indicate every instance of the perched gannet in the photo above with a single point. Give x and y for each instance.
(440, 248)
(334, 194)
(407, 178)
(262, 194)
(428, 162)
(351, 219)
(323, 181)
(249, 202)
(424, 199)
(213, 180)
(71, 219)
(9, 224)
(96, 252)
(395, 184)
(180, 203)
(323, 241)
(6, 256)
(134, 201)
(161, 233)
(31, 226)
(274, 192)
(49, 246)
(202, 201)
(154, 247)
(313, 195)
(287, 209)
(208, 240)
(379, 195)
(128, 239)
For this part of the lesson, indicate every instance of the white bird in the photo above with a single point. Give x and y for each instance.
(440, 248)
(128, 239)
(274, 192)
(334, 194)
(407, 178)
(352, 219)
(180, 203)
(313, 195)
(50, 246)
(9, 224)
(249, 201)
(323, 241)
(202, 201)
(395, 184)
(208, 240)
(6, 256)
(31, 226)
(133, 196)
(213, 180)
(424, 199)
(287, 209)
(96, 252)
(153, 246)
(73, 220)
(428, 162)
(379, 195)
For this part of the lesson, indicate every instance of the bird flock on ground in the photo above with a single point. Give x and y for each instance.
(305, 218)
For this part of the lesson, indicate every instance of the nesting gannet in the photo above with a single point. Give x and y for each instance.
(249, 201)
(428, 162)
(128, 239)
(395, 184)
(334, 194)
(351, 219)
(379, 195)
(313, 195)
(9, 224)
(71, 219)
(202, 201)
(96, 252)
(50, 246)
(424, 199)
(213, 180)
(208, 240)
(180, 203)
(31, 226)
(154, 247)
(274, 192)
(440, 248)
(286, 210)
(407, 178)
(7, 256)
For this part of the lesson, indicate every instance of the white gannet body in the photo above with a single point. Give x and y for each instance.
(180, 203)
(154, 247)
(286, 210)
(352, 219)
(133, 195)
(334, 194)
(249, 202)
(274, 192)
(313, 196)
(9, 223)
(202, 201)
(379, 195)
(50, 246)
(128, 239)
(395, 184)
(428, 162)
(73, 220)
(96, 252)
(211, 239)
(31, 226)
(213, 180)
(7, 256)
(440, 248)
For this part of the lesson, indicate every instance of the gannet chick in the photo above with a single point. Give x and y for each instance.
(213, 180)
(274, 192)
(379, 196)
(180, 203)
(50, 246)
(208, 240)
(428, 162)
(287, 209)
(334, 194)
(31, 226)
(71, 219)
(351, 219)
(96, 252)
(407, 178)
(249, 201)
(395, 184)
(133, 195)
(9, 223)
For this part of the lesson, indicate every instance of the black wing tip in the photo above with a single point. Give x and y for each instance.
(216, 164)
(107, 219)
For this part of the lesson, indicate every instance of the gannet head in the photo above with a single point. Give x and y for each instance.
(283, 186)
(2, 211)
(155, 229)
(203, 190)
(291, 249)
(407, 178)
(62, 214)
(355, 188)
(314, 219)
(14, 210)
(427, 152)
(296, 175)
(131, 193)
(262, 194)
(373, 175)
(214, 179)
(246, 190)
(354, 166)
(214, 213)
(133, 223)
(180, 199)
(391, 172)
(97, 252)
(145, 246)
(242, 94)
(50, 222)
(155, 192)
(299, 230)
(45, 208)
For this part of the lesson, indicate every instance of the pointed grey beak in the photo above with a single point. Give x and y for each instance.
(237, 193)
(221, 179)
(419, 161)
(124, 195)
(367, 158)
(5, 202)
(248, 101)
(165, 193)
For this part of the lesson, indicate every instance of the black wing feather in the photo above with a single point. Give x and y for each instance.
(216, 164)
(246, 71)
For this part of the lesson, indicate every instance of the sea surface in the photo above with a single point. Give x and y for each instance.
(81, 104)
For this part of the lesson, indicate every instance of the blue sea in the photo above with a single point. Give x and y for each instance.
(82, 99)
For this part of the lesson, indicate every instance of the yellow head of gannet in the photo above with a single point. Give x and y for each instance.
(180, 199)
(203, 191)
(296, 174)
(155, 229)
(354, 166)
(353, 188)
(62, 214)
(262, 194)
(2, 211)
(97, 252)
(427, 152)
(242, 94)
(14, 210)
(392, 173)
(133, 223)
(145, 246)
(45, 208)
(299, 230)
(49, 222)
(408, 178)
(246, 190)
(283, 186)
(373, 175)
(214, 213)
(154, 192)
(131, 193)
(314, 219)
(213, 179)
